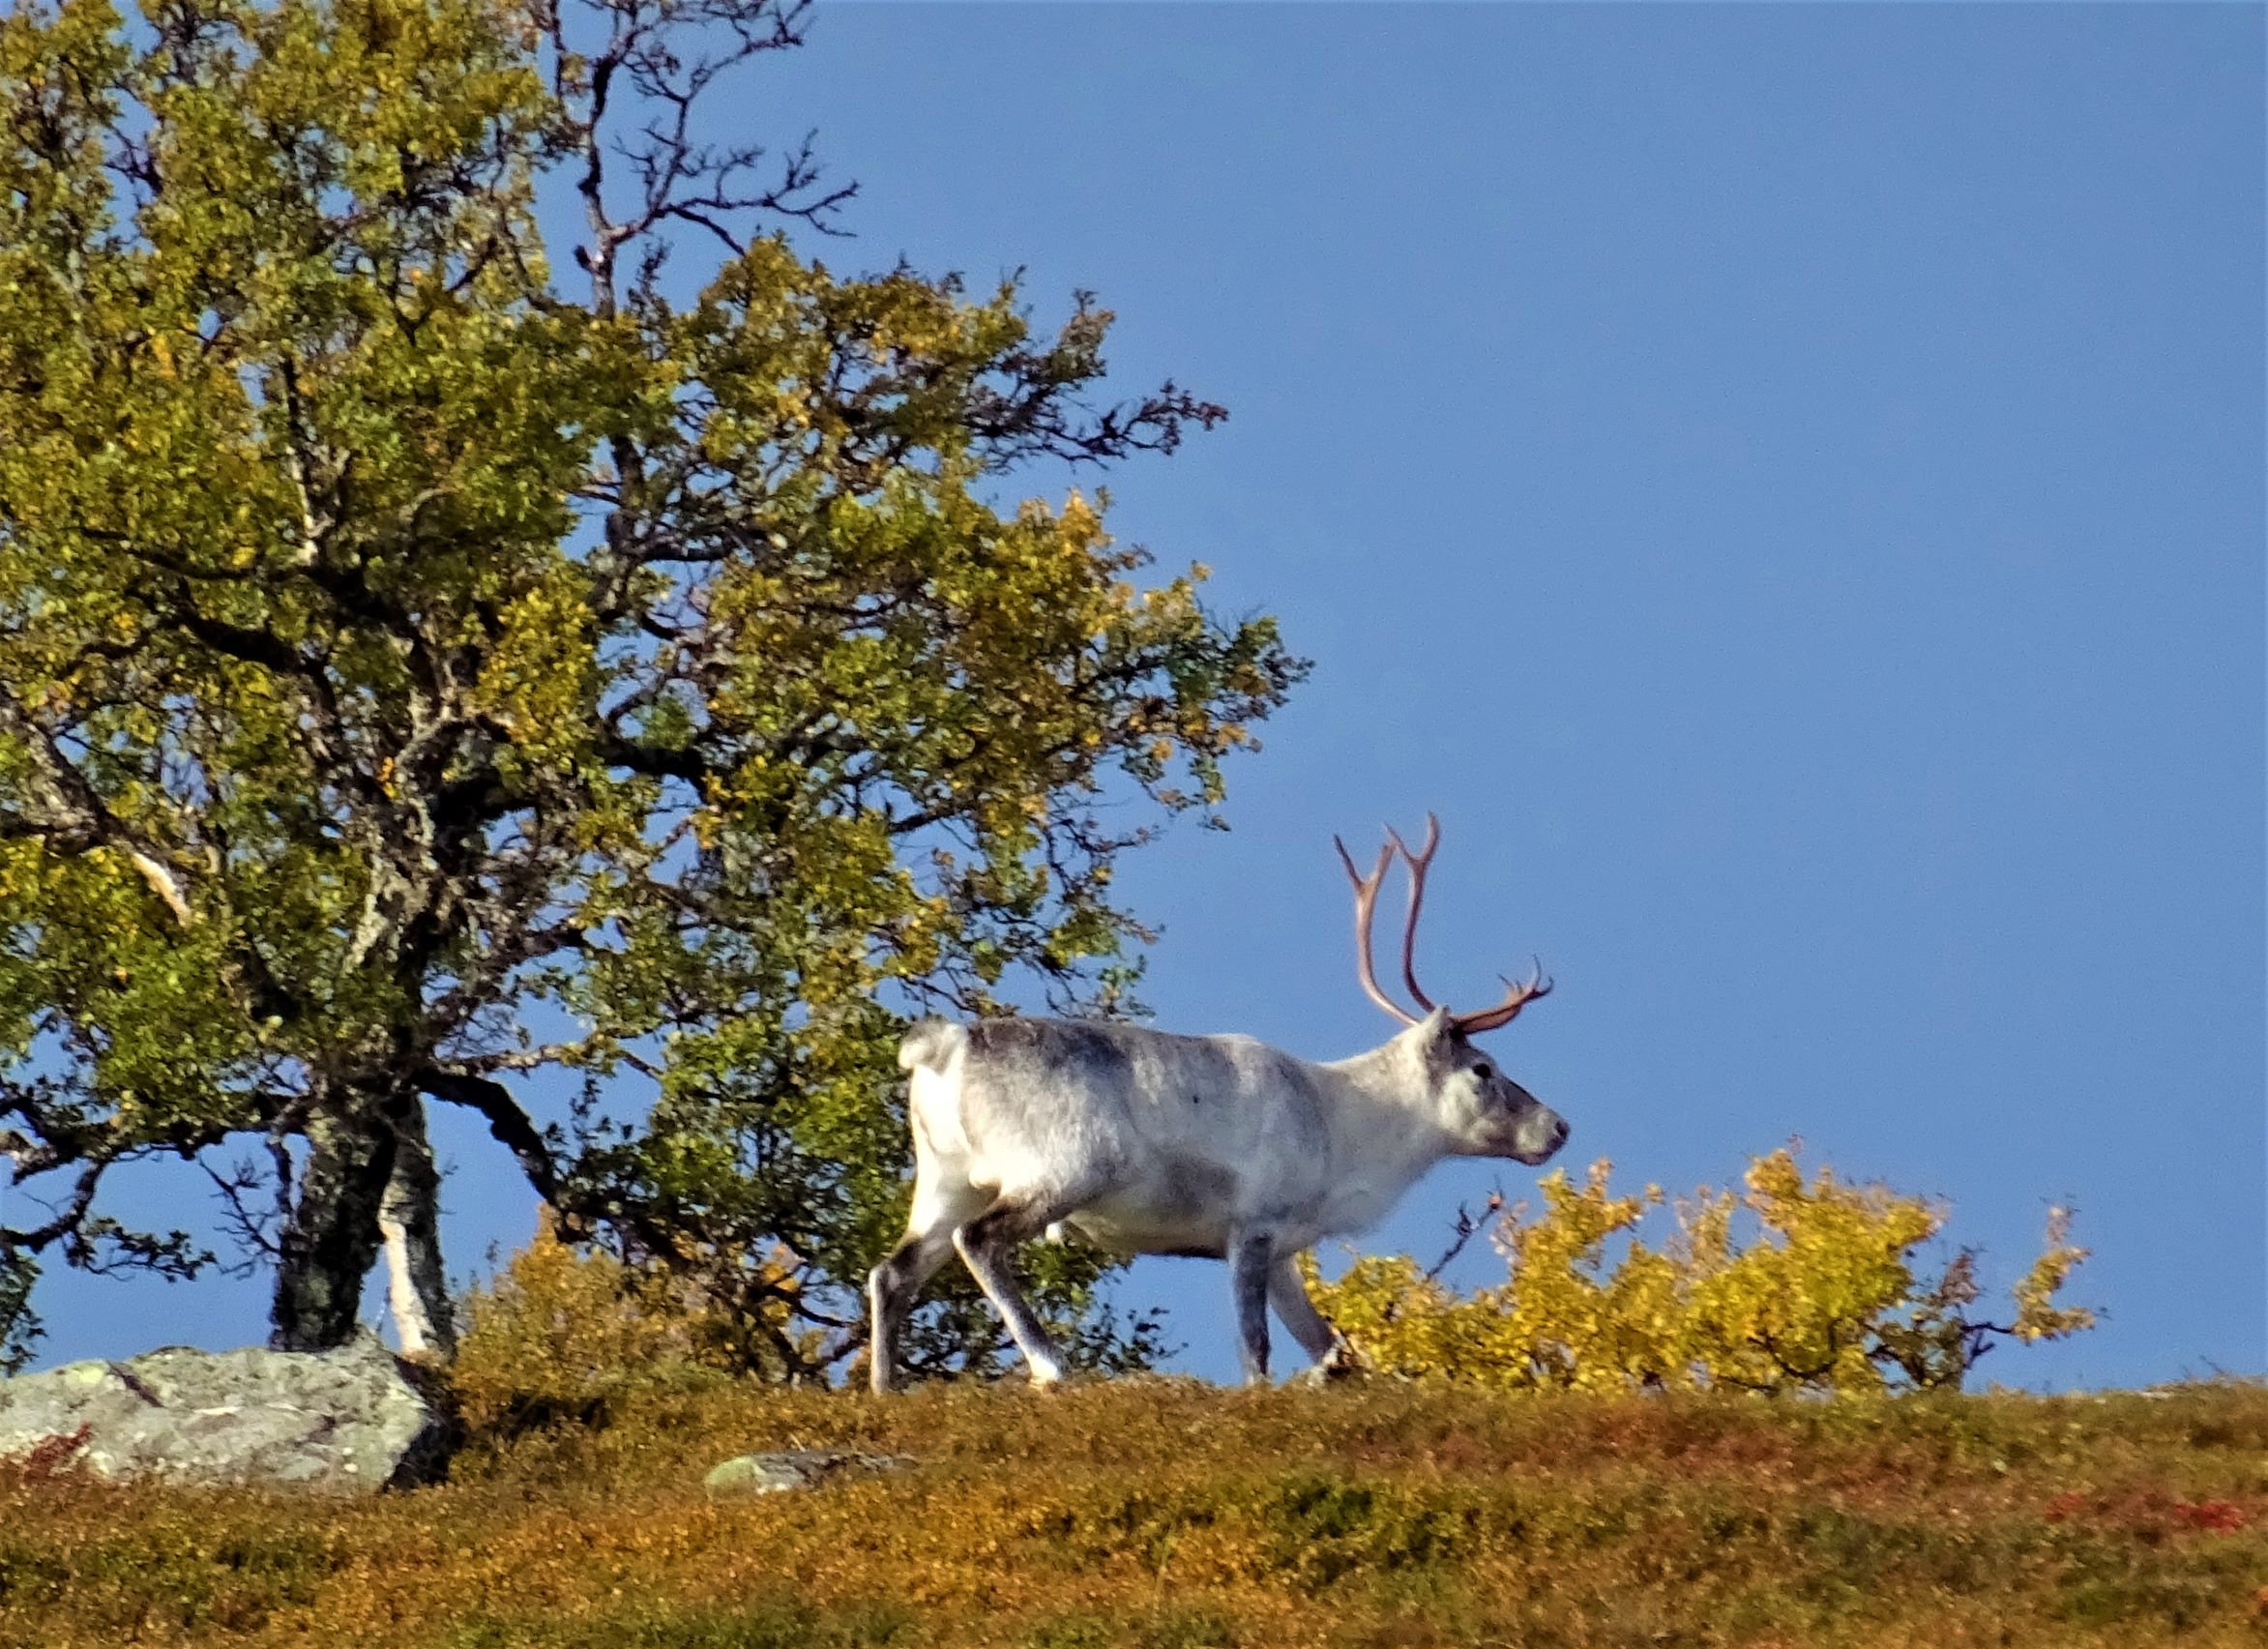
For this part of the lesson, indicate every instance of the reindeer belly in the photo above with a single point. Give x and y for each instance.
(1182, 1207)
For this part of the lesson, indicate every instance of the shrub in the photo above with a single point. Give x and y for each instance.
(566, 1330)
(1825, 1297)
(561, 1333)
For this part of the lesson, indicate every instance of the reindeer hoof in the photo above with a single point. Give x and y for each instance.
(1339, 1362)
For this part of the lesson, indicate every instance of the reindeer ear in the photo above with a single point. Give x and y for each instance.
(1434, 1037)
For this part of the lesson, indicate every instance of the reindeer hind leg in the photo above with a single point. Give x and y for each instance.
(943, 1202)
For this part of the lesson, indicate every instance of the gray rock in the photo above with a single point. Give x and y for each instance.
(793, 1468)
(348, 1421)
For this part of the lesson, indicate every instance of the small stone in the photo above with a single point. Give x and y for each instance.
(778, 1470)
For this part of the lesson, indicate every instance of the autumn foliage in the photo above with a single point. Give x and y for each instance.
(1788, 1284)
(567, 1333)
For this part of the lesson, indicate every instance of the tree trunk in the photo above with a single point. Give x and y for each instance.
(332, 1240)
(409, 1219)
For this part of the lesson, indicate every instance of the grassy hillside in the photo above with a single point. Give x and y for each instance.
(1166, 1514)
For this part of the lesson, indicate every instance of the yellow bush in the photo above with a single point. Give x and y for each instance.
(1825, 1297)
(561, 1331)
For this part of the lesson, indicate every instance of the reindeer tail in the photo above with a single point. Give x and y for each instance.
(932, 1044)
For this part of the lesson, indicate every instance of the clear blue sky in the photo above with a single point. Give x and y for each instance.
(1784, 483)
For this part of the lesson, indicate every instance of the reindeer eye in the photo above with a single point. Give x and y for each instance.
(1482, 1071)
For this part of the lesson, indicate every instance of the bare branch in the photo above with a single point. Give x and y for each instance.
(255, 1230)
(508, 1124)
(1463, 1232)
(65, 1217)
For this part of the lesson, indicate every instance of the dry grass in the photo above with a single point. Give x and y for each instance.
(1173, 1515)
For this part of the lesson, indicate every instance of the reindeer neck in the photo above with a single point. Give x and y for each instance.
(1385, 1135)
(1389, 1078)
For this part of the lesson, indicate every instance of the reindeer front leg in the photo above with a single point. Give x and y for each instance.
(1250, 1255)
(1308, 1326)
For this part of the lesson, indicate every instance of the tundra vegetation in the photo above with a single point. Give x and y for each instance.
(602, 698)
(1162, 1513)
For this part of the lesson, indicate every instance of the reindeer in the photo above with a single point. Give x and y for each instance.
(1139, 1141)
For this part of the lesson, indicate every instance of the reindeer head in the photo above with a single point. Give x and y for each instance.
(1485, 1112)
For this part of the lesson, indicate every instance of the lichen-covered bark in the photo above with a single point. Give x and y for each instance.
(332, 1239)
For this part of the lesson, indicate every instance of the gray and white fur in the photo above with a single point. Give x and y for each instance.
(1138, 1141)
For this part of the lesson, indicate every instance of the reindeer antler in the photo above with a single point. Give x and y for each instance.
(1366, 905)
(1516, 997)
(1365, 901)
(1418, 864)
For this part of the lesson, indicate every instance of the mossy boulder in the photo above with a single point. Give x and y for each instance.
(349, 1421)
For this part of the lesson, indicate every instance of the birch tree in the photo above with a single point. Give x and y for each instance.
(435, 672)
